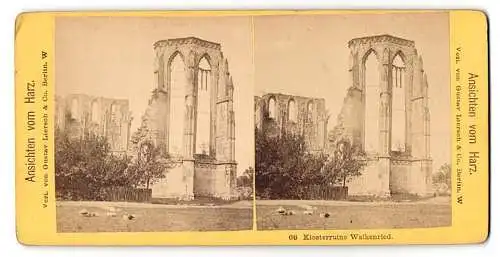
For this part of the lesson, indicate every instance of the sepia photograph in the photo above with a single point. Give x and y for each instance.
(352, 121)
(175, 124)
(154, 124)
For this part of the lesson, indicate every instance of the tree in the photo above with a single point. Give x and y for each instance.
(246, 179)
(284, 168)
(244, 184)
(151, 160)
(346, 163)
(84, 166)
(443, 176)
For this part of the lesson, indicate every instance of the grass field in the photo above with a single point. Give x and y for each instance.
(354, 216)
(151, 218)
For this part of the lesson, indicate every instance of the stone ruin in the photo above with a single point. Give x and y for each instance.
(386, 113)
(191, 114)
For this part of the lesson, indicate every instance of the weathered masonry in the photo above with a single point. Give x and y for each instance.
(386, 112)
(191, 114)
(80, 114)
(305, 116)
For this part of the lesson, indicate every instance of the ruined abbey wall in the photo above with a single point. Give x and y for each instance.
(79, 114)
(294, 114)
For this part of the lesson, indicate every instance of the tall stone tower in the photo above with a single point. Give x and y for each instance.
(386, 112)
(191, 114)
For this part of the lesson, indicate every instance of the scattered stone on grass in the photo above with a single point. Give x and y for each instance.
(83, 212)
(308, 212)
(284, 212)
(128, 216)
(86, 213)
(324, 215)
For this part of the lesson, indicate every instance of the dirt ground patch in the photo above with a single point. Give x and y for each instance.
(153, 219)
(351, 216)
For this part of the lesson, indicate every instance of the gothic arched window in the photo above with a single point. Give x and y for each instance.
(309, 111)
(94, 112)
(372, 103)
(74, 109)
(292, 111)
(114, 113)
(398, 121)
(178, 84)
(272, 108)
(203, 107)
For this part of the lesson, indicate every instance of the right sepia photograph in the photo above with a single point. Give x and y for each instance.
(352, 121)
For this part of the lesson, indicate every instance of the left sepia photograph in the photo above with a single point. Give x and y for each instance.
(154, 124)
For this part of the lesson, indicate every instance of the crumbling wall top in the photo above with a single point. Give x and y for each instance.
(295, 97)
(385, 38)
(187, 41)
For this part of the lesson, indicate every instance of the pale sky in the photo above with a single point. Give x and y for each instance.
(302, 55)
(308, 56)
(113, 57)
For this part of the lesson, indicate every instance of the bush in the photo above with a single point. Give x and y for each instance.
(441, 180)
(244, 193)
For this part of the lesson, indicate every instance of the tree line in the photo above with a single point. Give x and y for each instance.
(285, 169)
(85, 166)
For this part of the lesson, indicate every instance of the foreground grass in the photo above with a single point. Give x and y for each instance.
(154, 219)
(356, 217)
